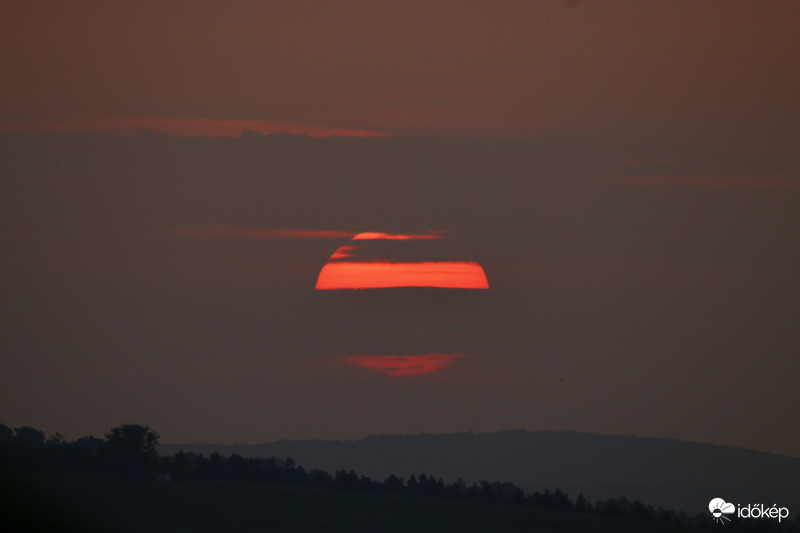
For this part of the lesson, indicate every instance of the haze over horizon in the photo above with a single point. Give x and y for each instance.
(627, 175)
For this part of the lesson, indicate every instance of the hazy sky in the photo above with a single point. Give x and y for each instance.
(627, 174)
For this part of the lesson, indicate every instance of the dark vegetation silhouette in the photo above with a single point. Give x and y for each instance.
(131, 449)
(129, 452)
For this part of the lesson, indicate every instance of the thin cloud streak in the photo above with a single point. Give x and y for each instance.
(343, 252)
(246, 234)
(370, 235)
(711, 181)
(236, 233)
(189, 127)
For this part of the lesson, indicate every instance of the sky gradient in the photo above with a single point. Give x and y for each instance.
(175, 176)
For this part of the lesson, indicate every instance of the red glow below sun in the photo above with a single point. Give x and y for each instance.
(404, 365)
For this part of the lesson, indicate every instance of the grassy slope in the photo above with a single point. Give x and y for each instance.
(126, 506)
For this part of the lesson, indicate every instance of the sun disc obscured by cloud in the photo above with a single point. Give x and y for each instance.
(352, 267)
(404, 365)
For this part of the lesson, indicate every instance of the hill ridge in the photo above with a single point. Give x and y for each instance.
(666, 472)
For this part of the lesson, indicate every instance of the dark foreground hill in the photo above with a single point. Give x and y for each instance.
(660, 472)
(49, 502)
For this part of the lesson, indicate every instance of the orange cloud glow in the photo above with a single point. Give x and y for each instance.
(344, 252)
(404, 365)
(376, 275)
(369, 235)
(189, 127)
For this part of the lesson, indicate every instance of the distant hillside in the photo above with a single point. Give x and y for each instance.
(660, 472)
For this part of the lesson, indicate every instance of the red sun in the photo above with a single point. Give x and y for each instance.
(347, 269)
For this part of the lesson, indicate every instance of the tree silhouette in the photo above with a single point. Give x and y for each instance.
(132, 448)
(28, 438)
(582, 504)
(6, 435)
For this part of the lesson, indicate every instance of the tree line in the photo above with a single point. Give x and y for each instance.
(130, 451)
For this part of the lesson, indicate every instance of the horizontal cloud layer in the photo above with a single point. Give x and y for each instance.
(188, 127)
(235, 233)
(712, 181)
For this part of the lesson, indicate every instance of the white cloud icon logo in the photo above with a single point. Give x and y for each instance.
(719, 508)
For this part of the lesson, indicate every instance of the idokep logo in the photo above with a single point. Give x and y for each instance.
(719, 508)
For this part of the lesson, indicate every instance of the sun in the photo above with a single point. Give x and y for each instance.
(354, 266)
